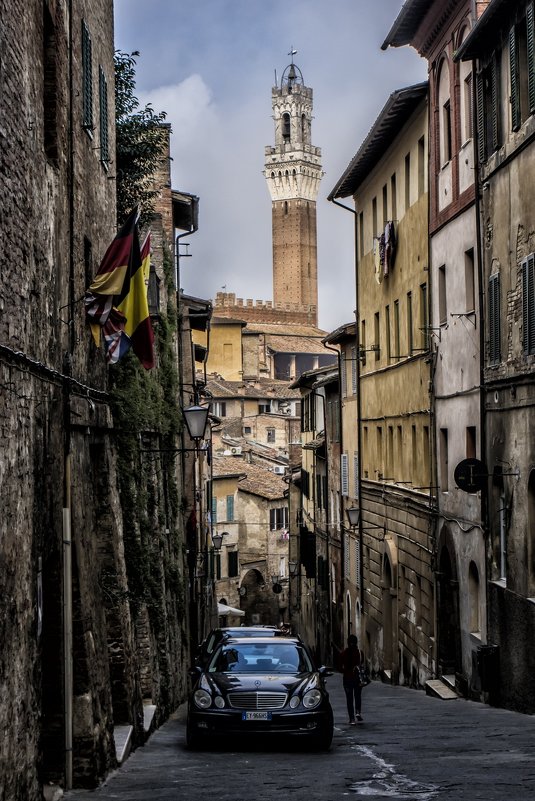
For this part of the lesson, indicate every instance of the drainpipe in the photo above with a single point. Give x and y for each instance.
(359, 405)
(66, 515)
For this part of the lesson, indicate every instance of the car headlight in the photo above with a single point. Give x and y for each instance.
(219, 702)
(294, 701)
(202, 699)
(311, 699)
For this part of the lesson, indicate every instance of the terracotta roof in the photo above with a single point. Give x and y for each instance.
(290, 344)
(228, 466)
(243, 389)
(262, 482)
(231, 427)
(285, 330)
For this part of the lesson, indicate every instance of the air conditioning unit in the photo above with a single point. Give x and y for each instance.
(235, 451)
(279, 470)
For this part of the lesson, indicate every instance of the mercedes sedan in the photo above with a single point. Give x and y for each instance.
(260, 686)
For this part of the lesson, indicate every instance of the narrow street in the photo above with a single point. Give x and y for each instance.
(410, 746)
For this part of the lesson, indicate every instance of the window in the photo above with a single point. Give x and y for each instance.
(426, 454)
(397, 349)
(87, 79)
(468, 124)
(356, 476)
(50, 88)
(528, 304)
(377, 334)
(443, 459)
(264, 408)
(230, 508)
(365, 449)
(393, 197)
(362, 343)
(446, 124)
(357, 561)
(278, 518)
(421, 166)
(214, 510)
(414, 451)
(247, 430)
(473, 585)
(488, 108)
(233, 570)
(470, 442)
(410, 339)
(286, 127)
(379, 441)
(354, 370)
(103, 118)
(374, 217)
(407, 181)
(219, 408)
(469, 285)
(521, 87)
(494, 319)
(344, 474)
(387, 334)
(442, 303)
(390, 452)
(424, 318)
(343, 373)
(270, 435)
(361, 234)
(385, 206)
(153, 291)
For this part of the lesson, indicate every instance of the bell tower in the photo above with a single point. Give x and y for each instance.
(293, 173)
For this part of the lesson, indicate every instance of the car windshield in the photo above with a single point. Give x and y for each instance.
(254, 657)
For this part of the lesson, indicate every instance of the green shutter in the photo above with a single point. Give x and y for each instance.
(528, 304)
(481, 145)
(230, 507)
(530, 40)
(515, 80)
(103, 106)
(214, 510)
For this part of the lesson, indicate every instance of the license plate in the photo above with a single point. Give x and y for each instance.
(256, 715)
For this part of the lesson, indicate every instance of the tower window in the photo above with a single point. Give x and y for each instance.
(286, 127)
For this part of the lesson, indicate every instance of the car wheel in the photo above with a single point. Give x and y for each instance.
(193, 738)
(323, 739)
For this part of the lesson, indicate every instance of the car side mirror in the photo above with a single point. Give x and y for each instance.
(195, 671)
(325, 671)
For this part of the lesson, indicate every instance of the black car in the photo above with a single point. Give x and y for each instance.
(266, 686)
(208, 646)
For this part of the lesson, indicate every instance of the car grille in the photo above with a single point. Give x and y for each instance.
(257, 700)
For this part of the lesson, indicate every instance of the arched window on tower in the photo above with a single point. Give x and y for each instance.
(286, 127)
(303, 128)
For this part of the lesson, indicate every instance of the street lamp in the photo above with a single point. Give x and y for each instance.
(292, 567)
(353, 515)
(217, 540)
(196, 418)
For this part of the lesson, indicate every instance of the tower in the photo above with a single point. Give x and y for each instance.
(293, 173)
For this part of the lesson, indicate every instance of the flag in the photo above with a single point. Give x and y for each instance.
(116, 300)
(135, 307)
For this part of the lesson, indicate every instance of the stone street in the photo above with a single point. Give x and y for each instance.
(410, 746)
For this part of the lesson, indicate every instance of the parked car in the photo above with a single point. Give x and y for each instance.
(260, 686)
(213, 639)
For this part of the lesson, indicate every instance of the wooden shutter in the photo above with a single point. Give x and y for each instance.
(344, 474)
(495, 101)
(103, 110)
(515, 80)
(530, 42)
(356, 475)
(214, 510)
(480, 99)
(494, 319)
(357, 561)
(354, 370)
(528, 304)
(87, 79)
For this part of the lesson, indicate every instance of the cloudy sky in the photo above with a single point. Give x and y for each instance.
(210, 64)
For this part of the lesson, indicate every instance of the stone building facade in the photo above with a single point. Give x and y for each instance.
(501, 48)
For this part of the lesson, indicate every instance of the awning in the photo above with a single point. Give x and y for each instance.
(223, 609)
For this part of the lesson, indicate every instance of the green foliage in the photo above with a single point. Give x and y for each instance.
(140, 139)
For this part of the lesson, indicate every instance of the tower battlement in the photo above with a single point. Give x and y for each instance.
(263, 311)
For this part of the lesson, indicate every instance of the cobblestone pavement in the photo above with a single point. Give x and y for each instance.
(409, 747)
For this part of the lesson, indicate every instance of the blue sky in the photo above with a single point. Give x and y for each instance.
(210, 64)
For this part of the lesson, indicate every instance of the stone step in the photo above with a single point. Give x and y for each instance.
(148, 715)
(438, 689)
(386, 676)
(449, 681)
(123, 742)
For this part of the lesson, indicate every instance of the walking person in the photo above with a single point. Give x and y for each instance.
(351, 660)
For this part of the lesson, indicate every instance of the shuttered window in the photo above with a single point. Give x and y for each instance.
(230, 508)
(87, 82)
(357, 561)
(530, 34)
(494, 102)
(528, 304)
(103, 111)
(356, 476)
(515, 80)
(354, 370)
(494, 319)
(344, 474)
(214, 510)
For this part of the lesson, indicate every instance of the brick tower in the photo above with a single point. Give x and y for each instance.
(293, 173)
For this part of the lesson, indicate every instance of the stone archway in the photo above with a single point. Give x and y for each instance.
(258, 600)
(449, 624)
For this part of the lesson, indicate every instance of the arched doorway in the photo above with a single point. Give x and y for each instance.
(449, 634)
(258, 601)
